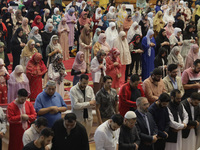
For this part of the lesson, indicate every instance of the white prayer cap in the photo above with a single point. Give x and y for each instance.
(130, 115)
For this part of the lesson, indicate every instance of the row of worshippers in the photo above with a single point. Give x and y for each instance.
(49, 104)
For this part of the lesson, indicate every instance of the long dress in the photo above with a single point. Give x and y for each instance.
(16, 129)
(14, 86)
(147, 61)
(71, 28)
(63, 40)
(34, 72)
(112, 71)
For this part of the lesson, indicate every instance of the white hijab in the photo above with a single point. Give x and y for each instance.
(122, 46)
(132, 31)
(168, 17)
(111, 12)
(111, 35)
(97, 15)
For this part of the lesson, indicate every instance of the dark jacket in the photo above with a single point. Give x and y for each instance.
(161, 117)
(77, 140)
(128, 137)
(191, 122)
(146, 139)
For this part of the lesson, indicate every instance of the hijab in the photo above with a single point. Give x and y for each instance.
(25, 27)
(137, 18)
(18, 15)
(133, 41)
(97, 15)
(168, 17)
(123, 47)
(58, 67)
(104, 45)
(27, 52)
(187, 35)
(132, 31)
(35, 65)
(79, 65)
(176, 30)
(112, 53)
(71, 11)
(47, 27)
(111, 12)
(149, 33)
(86, 39)
(83, 21)
(56, 46)
(83, 2)
(35, 23)
(191, 57)
(56, 10)
(169, 29)
(105, 22)
(198, 11)
(32, 34)
(96, 36)
(114, 33)
(18, 69)
(172, 56)
(47, 11)
(61, 26)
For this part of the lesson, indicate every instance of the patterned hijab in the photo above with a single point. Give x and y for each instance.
(58, 67)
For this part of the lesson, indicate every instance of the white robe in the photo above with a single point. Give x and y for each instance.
(177, 125)
(189, 143)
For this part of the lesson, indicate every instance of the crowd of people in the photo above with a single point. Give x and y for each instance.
(145, 68)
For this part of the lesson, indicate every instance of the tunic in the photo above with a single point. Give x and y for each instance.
(14, 119)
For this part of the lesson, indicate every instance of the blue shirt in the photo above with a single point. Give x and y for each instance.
(43, 101)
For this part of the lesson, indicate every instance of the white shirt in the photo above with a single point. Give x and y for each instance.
(30, 135)
(105, 138)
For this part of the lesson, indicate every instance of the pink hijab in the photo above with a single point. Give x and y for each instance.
(104, 45)
(169, 28)
(61, 27)
(78, 64)
(191, 56)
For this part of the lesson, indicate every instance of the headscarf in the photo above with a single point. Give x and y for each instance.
(191, 57)
(3, 69)
(104, 45)
(83, 21)
(149, 33)
(32, 34)
(47, 27)
(58, 67)
(27, 52)
(150, 18)
(79, 65)
(34, 68)
(57, 46)
(39, 25)
(123, 47)
(96, 36)
(18, 15)
(137, 18)
(105, 22)
(168, 17)
(157, 20)
(113, 51)
(56, 10)
(198, 11)
(99, 54)
(16, 36)
(86, 39)
(172, 56)
(71, 11)
(18, 69)
(176, 30)
(97, 15)
(187, 35)
(133, 41)
(47, 11)
(82, 4)
(25, 27)
(169, 29)
(110, 39)
(132, 31)
(61, 26)
(111, 10)
(50, 20)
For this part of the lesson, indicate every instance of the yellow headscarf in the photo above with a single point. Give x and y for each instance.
(157, 25)
(198, 10)
(27, 52)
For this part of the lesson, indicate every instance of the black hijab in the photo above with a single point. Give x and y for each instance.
(133, 41)
(187, 35)
(158, 59)
(43, 6)
(160, 39)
